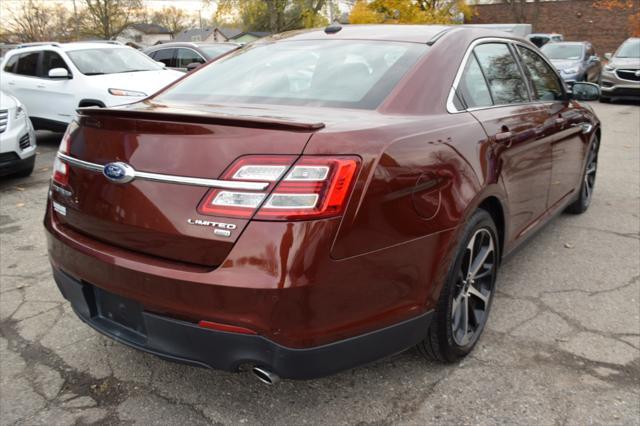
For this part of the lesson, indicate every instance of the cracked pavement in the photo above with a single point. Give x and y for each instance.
(562, 344)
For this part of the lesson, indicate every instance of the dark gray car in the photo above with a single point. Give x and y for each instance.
(576, 60)
(188, 56)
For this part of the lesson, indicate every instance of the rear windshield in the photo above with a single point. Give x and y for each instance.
(331, 73)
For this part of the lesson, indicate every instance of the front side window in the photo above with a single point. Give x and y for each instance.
(51, 60)
(506, 82)
(111, 61)
(473, 87)
(546, 85)
(324, 73)
(166, 56)
(188, 56)
(28, 64)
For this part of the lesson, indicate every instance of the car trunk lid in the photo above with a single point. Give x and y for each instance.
(160, 218)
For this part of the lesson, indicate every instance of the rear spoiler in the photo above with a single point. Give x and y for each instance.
(202, 117)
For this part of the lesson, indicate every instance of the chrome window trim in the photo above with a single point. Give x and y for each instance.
(180, 180)
(451, 109)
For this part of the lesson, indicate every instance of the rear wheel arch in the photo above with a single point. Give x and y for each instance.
(493, 206)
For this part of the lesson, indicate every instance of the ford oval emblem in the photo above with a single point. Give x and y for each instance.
(119, 172)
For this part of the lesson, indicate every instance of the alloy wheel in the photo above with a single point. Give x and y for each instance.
(473, 288)
(590, 174)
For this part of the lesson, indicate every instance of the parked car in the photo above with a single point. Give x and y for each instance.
(53, 79)
(620, 77)
(17, 139)
(576, 60)
(540, 39)
(237, 220)
(188, 56)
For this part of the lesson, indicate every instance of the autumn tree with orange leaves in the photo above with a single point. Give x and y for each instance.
(633, 20)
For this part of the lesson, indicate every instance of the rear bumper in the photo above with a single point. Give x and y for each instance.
(185, 342)
(14, 164)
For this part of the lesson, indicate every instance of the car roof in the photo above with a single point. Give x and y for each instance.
(188, 44)
(383, 32)
(582, 43)
(67, 47)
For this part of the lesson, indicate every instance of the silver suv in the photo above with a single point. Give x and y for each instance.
(620, 78)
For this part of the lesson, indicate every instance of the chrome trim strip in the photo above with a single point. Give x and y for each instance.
(180, 180)
(81, 163)
(451, 107)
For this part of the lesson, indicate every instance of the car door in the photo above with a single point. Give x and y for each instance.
(58, 99)
(567, 145)
(23, 81)
(186, 56)
(519, 129)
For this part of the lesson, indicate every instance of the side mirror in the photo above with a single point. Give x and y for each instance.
(594, 58)
(582, 91)
(608, 56)
(162, 64)
(192, 66)
(59, 73)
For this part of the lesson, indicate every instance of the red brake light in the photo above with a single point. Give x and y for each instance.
(222, 202)
(60, 169)
(314, 187)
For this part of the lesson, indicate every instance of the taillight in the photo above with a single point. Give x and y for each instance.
(60, 169)
(314, 187)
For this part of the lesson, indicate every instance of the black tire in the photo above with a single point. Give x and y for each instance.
(581, 204)
(444, 342)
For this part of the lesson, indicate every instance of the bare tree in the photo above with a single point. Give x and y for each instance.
(30, 22)
(107, 18)
(173, 19)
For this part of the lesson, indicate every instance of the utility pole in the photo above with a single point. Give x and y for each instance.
(76, 21)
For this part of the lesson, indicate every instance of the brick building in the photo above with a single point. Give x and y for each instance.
(575, 19)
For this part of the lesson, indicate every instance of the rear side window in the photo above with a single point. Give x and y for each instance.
(11, 64)
(545, 81)
(166, 56)
(186, 57)
(51, 60)
(28, 64)
(473, 87)
(505, 80)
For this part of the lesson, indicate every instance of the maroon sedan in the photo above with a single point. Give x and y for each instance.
(318, 200)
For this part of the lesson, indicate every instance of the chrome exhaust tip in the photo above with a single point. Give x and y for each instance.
(265, 376)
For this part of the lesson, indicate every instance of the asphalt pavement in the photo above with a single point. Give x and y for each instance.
(562, 344)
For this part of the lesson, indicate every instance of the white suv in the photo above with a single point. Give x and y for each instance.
(17, 139)
(53, 79)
